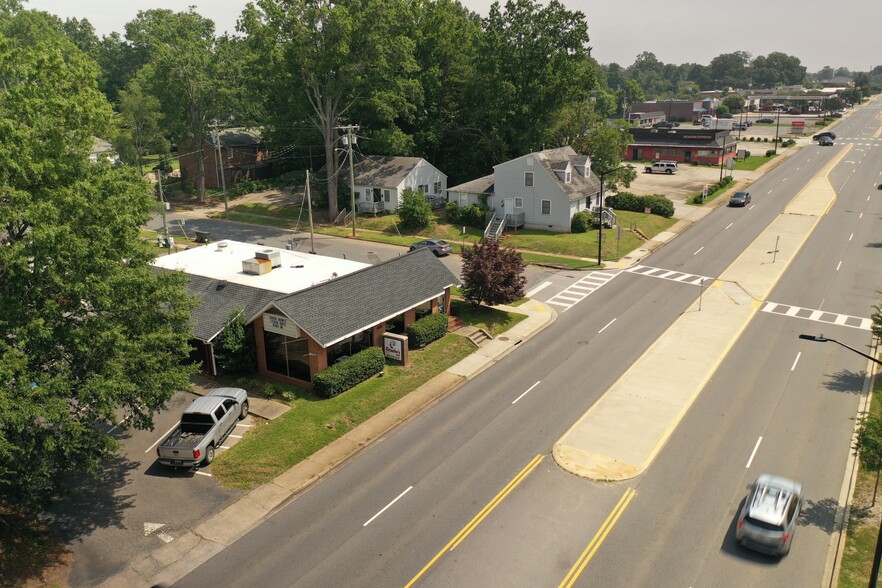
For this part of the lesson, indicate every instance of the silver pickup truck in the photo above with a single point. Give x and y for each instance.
(203, 427)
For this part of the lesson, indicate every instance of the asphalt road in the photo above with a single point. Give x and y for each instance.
(476, 467)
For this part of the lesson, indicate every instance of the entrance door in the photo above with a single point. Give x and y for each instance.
(638, 154)
(687, 156)
(508, 207)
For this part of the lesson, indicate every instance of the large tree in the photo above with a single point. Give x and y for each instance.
(320, 65)
(91, 333)
(140, 130)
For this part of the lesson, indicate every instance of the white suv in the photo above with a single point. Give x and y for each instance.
(668, 167)
(769, 515)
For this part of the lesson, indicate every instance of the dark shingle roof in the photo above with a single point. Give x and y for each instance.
(482, 185)
(681, 137)
(219, 298)
(579, 186)
(342, 307)
(383, 172)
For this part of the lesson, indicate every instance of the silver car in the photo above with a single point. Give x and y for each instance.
(768, 518)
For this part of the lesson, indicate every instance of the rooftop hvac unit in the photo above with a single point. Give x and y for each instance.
(256, 267)
(275, 257)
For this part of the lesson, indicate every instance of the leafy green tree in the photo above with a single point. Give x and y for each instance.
(233, 349)
(319, 65)
(91, 332)
(631, 93)
(185, 73)
(415, 211)
(605, 144)
(730, 70)
(868, 445)
(120, 61)
(734, 103)
(492, 274)
(140, 132)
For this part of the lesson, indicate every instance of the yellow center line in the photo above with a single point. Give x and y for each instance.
(598, 539)
(480, 516)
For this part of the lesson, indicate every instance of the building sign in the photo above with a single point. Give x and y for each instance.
(698, 137)
(282, 325)
(393, 349)
(798, 123)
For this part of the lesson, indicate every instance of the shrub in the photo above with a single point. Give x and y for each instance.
(581, 222)
(342, 376)
(746, 154)
(472, 216)
(247, 186)
(234, 349)
(660, 205)
(429, 328)
(451, 210)
(770, 152)
(415, 211)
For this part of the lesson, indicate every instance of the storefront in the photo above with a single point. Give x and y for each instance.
(683, 145)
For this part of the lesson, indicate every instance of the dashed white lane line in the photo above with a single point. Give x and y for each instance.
(795, 361)
(699, 250)
(606, 325)
(753, 454)
(382, 510)
(729, 225)
(525, 392)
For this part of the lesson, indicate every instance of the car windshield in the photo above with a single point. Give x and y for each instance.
(763, 524)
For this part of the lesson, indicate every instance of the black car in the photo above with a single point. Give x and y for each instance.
(725, 115)
(436, 246)
(740, 199)
(820, 136)
(825, 141)
(767, 121)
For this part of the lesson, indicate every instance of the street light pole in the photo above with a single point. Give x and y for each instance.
(777, 125)
(600, 213)
(877, 558)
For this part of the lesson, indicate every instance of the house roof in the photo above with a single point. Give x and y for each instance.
(219, 298)
(482, 185)
(332, 311)
(240, 137)
(580, 186)
(384, 171)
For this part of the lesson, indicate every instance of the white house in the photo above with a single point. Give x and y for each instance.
(541, 190)
(381, 180)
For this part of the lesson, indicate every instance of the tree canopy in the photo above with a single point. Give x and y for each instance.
(91, 333)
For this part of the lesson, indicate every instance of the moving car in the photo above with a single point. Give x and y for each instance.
(436, 246)
(768, 121)
(740, 199)
(725, 115)
(768, 517)
(819, 136)
(825, 141)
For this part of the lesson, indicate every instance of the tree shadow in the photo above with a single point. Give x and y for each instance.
(820, 514)
(846, 381)
(94, 502)
(29, 551)
(874, 245)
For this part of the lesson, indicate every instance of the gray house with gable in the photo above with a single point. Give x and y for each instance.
(380, 182)
(541, 190)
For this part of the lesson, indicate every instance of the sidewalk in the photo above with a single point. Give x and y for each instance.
(171, 562)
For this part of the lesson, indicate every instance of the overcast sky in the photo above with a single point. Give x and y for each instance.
(819, 32)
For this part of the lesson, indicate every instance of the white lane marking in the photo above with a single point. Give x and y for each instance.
(797, 169)
(605, 326)
(795, 361)
(729, 225)
(769, 192)
(868, 198)
(525, 393)
(203, 473)
(536, 290)
(838, 265)
(241, 425)
(387, 506)
(699, 250)
(784, 180)
(850, 237)
(167, 433)
(751, 207)
(860, 216)
(752, 455)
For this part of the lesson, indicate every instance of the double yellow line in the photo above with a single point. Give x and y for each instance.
(460, 537)
(599, 537)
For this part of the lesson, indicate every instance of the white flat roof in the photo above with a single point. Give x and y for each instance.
(223, 261)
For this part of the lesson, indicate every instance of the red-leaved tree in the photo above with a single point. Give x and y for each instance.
(492, 274)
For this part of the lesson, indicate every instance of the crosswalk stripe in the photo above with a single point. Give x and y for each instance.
(818, 316)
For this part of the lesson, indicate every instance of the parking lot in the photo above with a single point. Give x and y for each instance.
(137, 505)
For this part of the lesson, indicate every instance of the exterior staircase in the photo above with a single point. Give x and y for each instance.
(479, 337)
(454, 323)
(494, 230)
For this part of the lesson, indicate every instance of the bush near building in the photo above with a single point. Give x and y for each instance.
(429, 328)
(660, 205)
(342, 376)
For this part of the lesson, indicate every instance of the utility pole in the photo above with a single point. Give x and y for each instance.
(309, 202)
(162, 201)
(349, 141)
(220, 166)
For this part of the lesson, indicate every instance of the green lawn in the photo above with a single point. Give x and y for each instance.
(491, 320)
(863, 524)
(312, 422)
(753, 162)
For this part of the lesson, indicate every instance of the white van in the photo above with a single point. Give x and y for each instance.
(667, 167)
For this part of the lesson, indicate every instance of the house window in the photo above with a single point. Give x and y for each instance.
(436, 188)
(669, 152)
(707, 153)
(567, 178)
(528, 178)
(229, 153)
(463, 199)
(358, 195)
(519, 202)
(423, 188)
(546, 207)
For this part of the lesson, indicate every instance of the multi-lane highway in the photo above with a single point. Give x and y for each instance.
(467, 494)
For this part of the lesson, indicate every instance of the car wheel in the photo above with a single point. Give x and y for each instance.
(412, 249)
(436, 252)
(669, 172)
(209, 455)
(244, 412)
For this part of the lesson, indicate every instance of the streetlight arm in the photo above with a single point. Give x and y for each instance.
(822, 339)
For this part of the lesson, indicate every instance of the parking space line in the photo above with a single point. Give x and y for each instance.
(167, 433)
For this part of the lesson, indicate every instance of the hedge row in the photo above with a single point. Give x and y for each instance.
(429, 328)
(711, 189)
(471, 215)
(342, 376)
(660, 205)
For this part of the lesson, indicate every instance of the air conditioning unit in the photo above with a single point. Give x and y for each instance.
(275, 257)
(256, 267)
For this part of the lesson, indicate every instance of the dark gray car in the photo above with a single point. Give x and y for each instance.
(436, 246)
(740, 199)
(768, 518)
